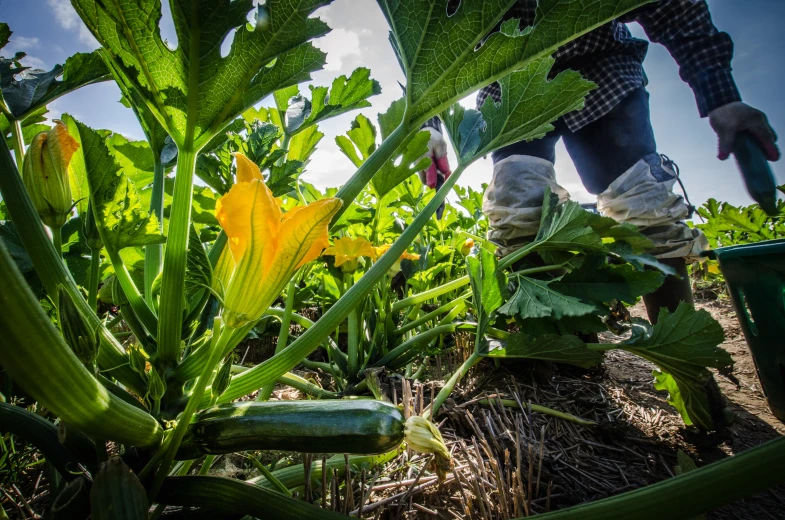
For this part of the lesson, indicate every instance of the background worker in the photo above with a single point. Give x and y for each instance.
(611, 140)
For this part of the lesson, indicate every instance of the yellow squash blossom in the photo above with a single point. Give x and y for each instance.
(396, 267)
(45, 174)
(265, 246)
(347, 251)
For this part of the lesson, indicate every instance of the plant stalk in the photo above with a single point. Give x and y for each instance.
(153, 253)
(193, 403)
(57, 241)
(512, 403)
(172, 304)
(445, 392)
(283, 334)
(19, 141)
(353, 331)
(92, 283)
(430, 293)
(58, 379)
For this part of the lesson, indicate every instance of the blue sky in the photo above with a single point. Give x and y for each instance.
(49, 31)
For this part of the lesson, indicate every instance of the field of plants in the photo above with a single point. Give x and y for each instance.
(189, 329)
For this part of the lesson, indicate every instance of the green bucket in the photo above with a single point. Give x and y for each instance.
(755, 274)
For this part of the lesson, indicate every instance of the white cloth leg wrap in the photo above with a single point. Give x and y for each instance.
(638, 197)
(513, 200)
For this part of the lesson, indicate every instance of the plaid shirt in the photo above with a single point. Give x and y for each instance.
(610, 57)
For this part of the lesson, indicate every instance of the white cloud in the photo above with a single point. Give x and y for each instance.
(339, 44)
(22, 42)
(68, 19)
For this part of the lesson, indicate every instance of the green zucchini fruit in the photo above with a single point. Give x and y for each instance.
(360, 427)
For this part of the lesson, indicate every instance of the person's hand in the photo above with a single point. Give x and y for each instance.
(437, 152)
(728, 120)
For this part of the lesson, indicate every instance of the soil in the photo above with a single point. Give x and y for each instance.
(514, 462)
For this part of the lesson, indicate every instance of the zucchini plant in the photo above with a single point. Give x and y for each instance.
(189, 271)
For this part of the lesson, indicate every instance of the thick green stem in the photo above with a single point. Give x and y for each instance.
(430, 294)
(36, 356)
(217, 248)
(57, 241)
(445, 392)
(19, 142)
(693, 493)
(172, 306)
(193, 403)
(369, 168)
(405, 347)
(428, 317)
(353, 335)
(270, 370)
(143, 311)
(92, 282)
(283, 334)
(53, 272)
(154, 252)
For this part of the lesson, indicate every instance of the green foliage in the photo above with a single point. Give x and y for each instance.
(441, 55)
(683, 345)
(121, 219)
(36, 88)
(529, 103)
(727, 225)
(345, 94)
(193, 91)
(549, 347)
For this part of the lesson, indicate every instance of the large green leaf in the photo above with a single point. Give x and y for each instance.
(565, 227)
(345, 94)
(359, 142)
(192, 90)
(119, 213)
(303, 145)
(487, 282)
(441, 55)
(537, 299)
(529, 102)
(35, 88)
(683, 344)
(599, 282)
(549, 347)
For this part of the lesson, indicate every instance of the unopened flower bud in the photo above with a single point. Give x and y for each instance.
(138, 361)
(222, 379)
(76, 331)
(45, 174)
(466, 247)
(156, 386)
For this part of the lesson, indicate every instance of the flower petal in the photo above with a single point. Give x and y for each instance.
(247, 170)
(259, 279)
(248, 213)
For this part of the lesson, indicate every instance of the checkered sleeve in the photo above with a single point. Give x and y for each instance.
(702, 52)
(434, 123)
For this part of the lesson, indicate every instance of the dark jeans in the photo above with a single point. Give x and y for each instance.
(604, 149)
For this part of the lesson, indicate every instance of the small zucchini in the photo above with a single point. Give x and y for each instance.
(362, 426)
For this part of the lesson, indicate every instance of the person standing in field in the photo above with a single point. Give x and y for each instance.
(611, 140)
